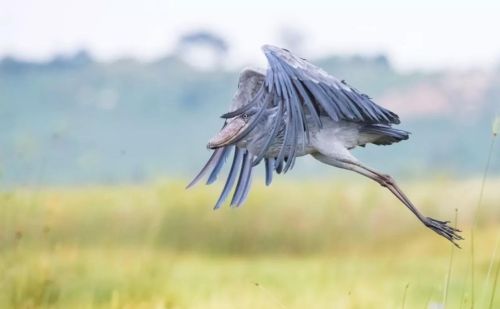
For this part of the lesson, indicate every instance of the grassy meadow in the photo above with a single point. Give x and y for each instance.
(318, 244)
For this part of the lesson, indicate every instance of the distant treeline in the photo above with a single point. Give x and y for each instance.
(74, 120)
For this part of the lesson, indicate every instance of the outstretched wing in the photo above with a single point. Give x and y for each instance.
(295, 94)
(289, 102)
(294, 77)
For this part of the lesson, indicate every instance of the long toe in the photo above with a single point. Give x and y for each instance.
(443, 229)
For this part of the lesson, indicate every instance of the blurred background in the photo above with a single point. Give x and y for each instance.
(105, 111)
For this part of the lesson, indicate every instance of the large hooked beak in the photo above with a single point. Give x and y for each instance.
(228, 133)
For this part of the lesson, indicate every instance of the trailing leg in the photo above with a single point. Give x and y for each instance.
(440, 227)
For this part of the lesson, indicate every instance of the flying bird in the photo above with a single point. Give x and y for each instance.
(293, 109)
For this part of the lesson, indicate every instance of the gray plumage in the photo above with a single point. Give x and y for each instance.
(295, 109)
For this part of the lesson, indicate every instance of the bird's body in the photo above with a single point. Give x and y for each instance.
(334, 134)
(295, 109)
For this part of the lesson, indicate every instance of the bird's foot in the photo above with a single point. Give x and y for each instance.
(443, 229)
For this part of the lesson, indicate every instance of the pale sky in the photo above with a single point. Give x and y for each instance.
(421, 34)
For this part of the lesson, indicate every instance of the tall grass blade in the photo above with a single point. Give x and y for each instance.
(493, 291)
(450, 265)
(490, 269)
(495, 129)
(404, 296)
(496, 126)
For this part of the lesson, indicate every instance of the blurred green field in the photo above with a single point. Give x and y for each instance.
(321, 244)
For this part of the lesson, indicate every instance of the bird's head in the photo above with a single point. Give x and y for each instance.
(250, 82)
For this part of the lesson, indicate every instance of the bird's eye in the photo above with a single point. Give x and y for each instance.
(286, 50)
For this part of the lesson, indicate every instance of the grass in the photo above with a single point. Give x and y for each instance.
(450, 266)
(317, 244)
(495, 129)
(494, 287)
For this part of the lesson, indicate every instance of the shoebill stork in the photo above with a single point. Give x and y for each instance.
(294, 109)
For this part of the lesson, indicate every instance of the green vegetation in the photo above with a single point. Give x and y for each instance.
(73, 120)
(310, 244)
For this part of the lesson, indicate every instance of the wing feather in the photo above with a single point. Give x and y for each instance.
(241, 185)
(213, 160)
(233, 172)
(247, 188)
(285, 65)
(269, 170)
(308, 103)
(294, 95)
(270, 138)
(218, 166)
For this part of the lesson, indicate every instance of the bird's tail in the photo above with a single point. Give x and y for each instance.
(381, 134)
